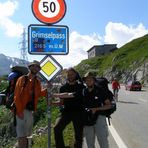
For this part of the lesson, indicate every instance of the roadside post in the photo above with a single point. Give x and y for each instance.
(48, 39)
(49, 69)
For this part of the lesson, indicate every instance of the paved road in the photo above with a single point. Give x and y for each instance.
(130, 121)
(131, 118)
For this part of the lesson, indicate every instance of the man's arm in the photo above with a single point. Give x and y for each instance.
(107, 105)
(63, 95)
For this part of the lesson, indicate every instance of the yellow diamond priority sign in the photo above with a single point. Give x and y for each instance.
(49, 67)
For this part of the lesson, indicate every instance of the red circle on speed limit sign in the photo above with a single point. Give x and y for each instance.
(49, 11)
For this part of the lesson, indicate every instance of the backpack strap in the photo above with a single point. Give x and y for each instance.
(25, 80)
(109, 117)
(83, 92)
(97, 92)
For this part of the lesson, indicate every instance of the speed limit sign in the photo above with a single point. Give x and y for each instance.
(49, 11)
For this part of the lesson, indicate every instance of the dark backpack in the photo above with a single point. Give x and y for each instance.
(103, 83)
(16, 72)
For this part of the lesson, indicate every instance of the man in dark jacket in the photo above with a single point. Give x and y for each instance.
(96, 101)
(72, 110)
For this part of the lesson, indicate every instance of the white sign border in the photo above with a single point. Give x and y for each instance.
(55, 63)
(48, 53)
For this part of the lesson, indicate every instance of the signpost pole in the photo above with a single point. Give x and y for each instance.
(49, 116)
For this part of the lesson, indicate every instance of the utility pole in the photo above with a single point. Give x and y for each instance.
(23, 48)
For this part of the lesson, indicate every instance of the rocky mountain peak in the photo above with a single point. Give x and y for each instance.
(7, 62)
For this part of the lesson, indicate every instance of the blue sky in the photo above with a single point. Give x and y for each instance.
(90, 22)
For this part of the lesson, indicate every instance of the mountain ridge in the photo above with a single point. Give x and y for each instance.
(7, 62)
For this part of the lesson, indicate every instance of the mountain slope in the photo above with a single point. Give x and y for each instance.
(7, 62)
(122, 61)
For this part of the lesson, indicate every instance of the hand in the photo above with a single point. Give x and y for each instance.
(55, 95)
(94, 110)
(57, 103)
(21, 116)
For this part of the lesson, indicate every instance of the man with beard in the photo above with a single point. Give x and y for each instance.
(27, 91)
(71, 111)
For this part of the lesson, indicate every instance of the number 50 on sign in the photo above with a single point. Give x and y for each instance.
(49, 11)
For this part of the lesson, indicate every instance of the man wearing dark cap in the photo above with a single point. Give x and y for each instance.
(27, 91)
(95, 100)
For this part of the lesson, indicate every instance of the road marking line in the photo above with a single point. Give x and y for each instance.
(143, 100)
(116, 137)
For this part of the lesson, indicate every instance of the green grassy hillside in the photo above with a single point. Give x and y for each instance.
(129, 56)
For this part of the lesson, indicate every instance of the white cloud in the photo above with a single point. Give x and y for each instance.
(12, 29)
(78, 46)
(115, 33)
(7, 9)
(120, 34)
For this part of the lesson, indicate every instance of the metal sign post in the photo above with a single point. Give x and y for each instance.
(48, 39)
(49, 69)
(49, 116)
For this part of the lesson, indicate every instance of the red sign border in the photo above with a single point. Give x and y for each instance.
(46, 20)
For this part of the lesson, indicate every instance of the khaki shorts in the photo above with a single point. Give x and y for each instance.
(24, 126)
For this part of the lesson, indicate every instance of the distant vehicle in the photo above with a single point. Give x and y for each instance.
(133, 85)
